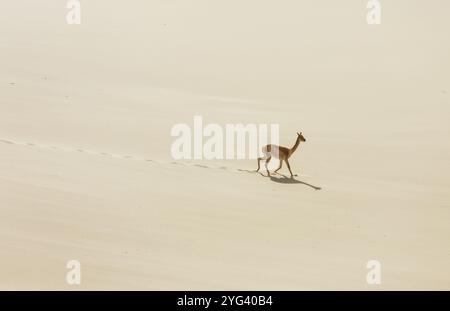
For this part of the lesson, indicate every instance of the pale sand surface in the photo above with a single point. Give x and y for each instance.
(86, 171)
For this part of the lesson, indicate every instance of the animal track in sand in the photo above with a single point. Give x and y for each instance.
(103, 154)
(128, 157)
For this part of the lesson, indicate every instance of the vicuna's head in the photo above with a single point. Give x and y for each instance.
(301, 137)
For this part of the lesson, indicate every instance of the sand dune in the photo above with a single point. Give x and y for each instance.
(86, 171)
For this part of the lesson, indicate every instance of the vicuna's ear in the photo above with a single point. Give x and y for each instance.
(299, 134)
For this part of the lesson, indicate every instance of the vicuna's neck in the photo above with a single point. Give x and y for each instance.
(297, 143)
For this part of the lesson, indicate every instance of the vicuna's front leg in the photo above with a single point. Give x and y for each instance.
(289, 167)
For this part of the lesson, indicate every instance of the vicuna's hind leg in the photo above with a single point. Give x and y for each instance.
(265, 157)
(267, 162)
(259, 159)
(279, 167)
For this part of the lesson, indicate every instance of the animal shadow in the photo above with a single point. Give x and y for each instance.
(286, 180)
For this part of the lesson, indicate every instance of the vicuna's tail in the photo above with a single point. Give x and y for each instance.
(267, 149)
